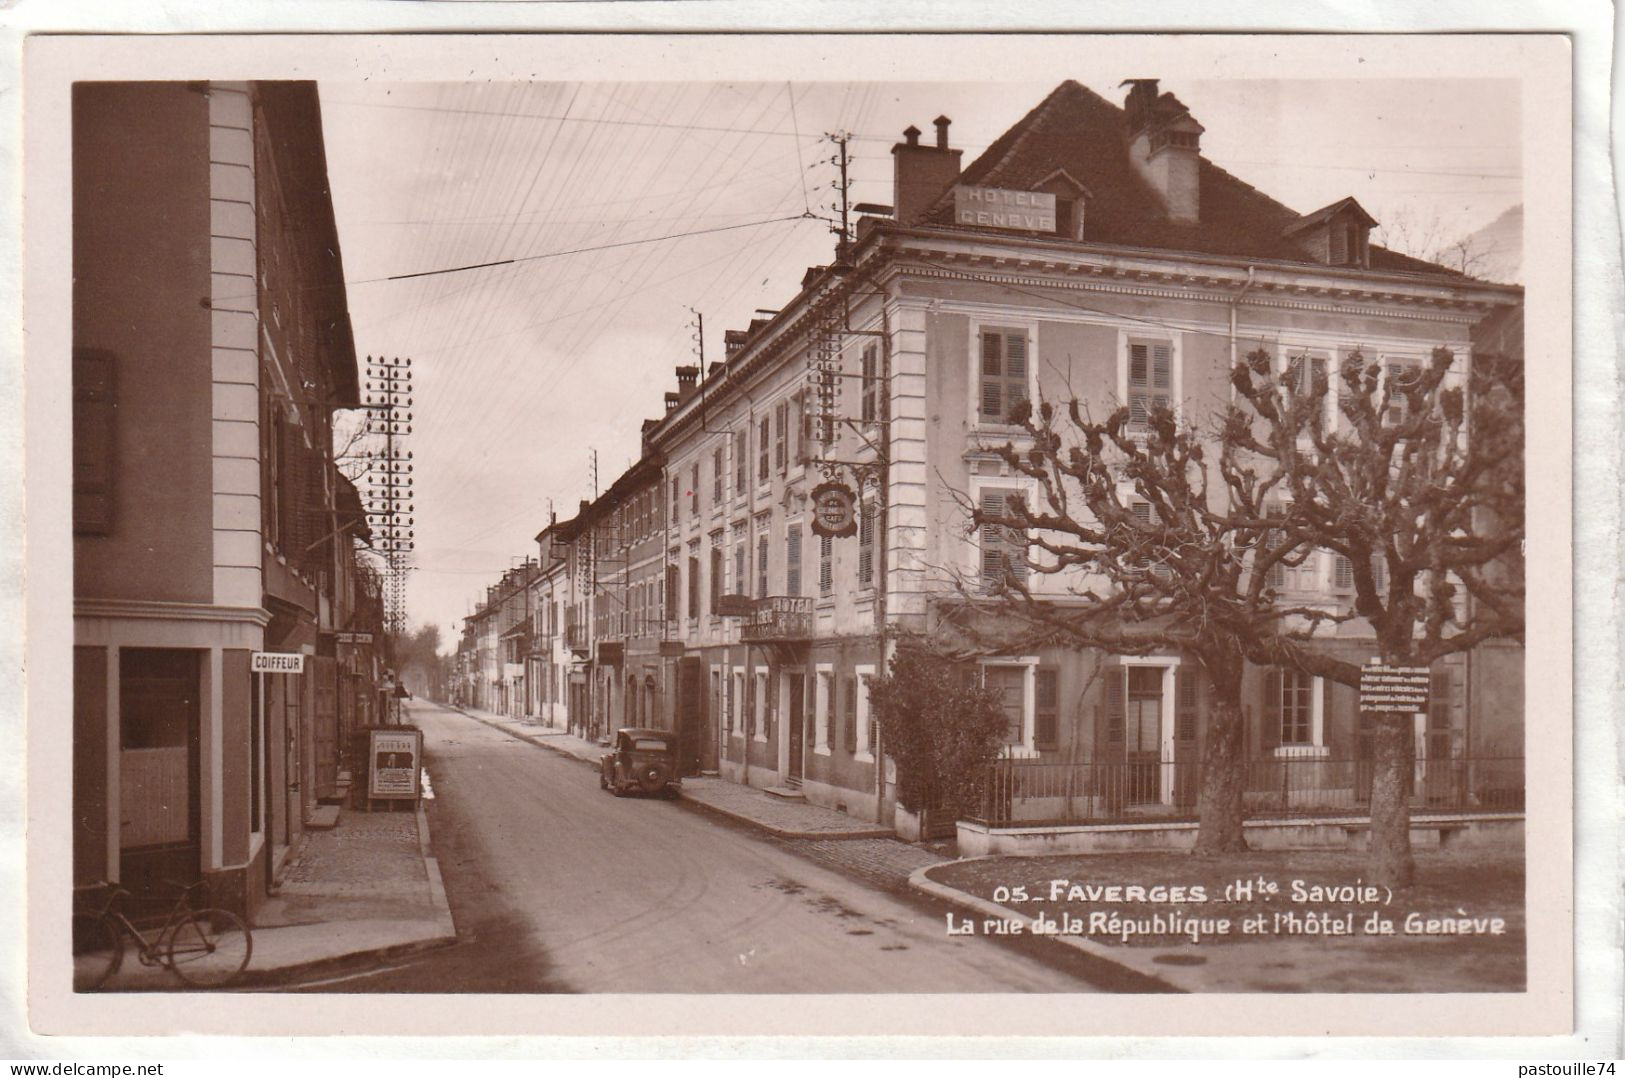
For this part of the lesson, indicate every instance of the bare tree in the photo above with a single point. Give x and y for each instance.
(1162, 537)
(1419, 484)
(1148, 540)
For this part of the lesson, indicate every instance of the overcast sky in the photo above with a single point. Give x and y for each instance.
(521, 370)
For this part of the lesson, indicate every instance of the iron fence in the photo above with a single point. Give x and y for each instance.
(1036, 791)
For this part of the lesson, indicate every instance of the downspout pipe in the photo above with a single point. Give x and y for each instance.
(1235, 304)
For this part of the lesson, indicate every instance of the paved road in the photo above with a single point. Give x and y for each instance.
(562, 887)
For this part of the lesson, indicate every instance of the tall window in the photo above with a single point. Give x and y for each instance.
(1297, 707)
(1400, 377)
(849, 728)
(1004, 373)
(821, 705)
(1010, 685)
(781, 441)
(1003, 549)
(676, 497)
(716, 573)
(1046, 708)
(826, 566)
(693, 584)
(797, 407)
(739, 569)
(866, 544)
(871, 384)
(761, 566)
(741, 457)
(694, 490)
(1150, 378)
(716, 475)
(792, 560)
(764, 438)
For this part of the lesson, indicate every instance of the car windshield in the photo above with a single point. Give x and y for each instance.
(649, 744)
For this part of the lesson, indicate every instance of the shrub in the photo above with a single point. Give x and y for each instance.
(943, 729)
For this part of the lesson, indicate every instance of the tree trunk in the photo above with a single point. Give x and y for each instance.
(1389, 847)
(1219, 807)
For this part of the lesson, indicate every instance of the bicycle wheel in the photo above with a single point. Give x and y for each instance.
(97, 951)
(209, 948)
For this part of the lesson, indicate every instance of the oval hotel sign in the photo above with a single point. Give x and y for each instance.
(995, 207)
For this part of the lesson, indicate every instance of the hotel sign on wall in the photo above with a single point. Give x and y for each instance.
(995, 207)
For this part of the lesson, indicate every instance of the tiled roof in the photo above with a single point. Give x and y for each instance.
(1077, 130)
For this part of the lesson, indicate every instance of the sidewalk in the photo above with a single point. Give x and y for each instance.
(366, 889)
(787, 819)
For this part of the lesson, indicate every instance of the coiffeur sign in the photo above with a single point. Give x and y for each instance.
(834, 510)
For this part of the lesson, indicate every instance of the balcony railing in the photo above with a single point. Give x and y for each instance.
(778, 618)
(1039, 792)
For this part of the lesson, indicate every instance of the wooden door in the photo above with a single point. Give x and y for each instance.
(1142, 732)
(798, 711)
(696, 750)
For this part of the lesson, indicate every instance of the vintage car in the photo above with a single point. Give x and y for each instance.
(644, 760)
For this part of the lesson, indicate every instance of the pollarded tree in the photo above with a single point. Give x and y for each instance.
(1414, 474)
(1150, 536)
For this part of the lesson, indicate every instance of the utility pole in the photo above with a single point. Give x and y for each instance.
(841, 160)
(594, 453)
(389, 478)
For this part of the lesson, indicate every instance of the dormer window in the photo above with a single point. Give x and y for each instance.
(1335, 235)
(1070, 200)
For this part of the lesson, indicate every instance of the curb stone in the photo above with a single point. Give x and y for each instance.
(953, 895)
(702, 805)
(782, 832)
(266, 978)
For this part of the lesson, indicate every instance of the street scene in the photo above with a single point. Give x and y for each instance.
(1044, 537)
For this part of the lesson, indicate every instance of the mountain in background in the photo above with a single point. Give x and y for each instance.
(1495, 252)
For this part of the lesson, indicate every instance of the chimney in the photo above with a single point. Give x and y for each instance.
(732, 341)
(687, 378)
(921, 173)
(1165, 146)
(671, 403)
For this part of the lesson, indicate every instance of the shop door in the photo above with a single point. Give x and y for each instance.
(159, 713)
(698, 750)
(798, 693)
(1143, 735)
(326, 725)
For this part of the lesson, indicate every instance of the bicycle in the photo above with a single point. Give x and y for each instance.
(204, 948)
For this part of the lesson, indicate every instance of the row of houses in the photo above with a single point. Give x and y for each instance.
(212, 349)
(1091, 250)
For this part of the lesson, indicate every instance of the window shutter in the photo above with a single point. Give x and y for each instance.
(1161, 366)
(792, 560)
(870, 385)
(1047, 708)
(1269, 735)
(1379, 572)
(95, 409)
(995, 559)
(1186, 689)
(849, 739)
(761, 567)
(1139, 360)
(1338, 238)
(992, 376)
(781, 443)
(763, 437)
(694, 489)
(826, 565)
(866, 544)
(1343, 573)
(1015, 371)
(741, 459)
(1115, 675)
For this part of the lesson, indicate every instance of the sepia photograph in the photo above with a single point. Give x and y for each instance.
(1036, 518)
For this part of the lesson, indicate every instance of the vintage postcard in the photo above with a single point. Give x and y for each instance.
(722, 534)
